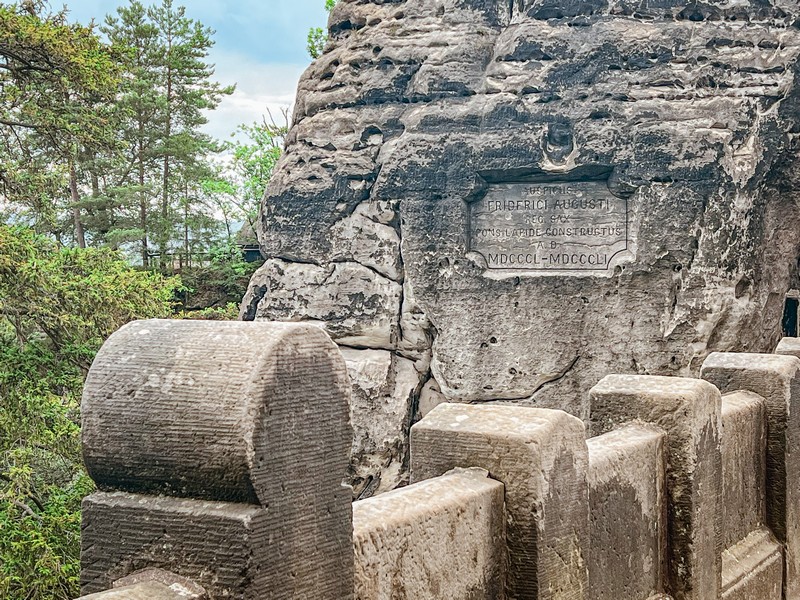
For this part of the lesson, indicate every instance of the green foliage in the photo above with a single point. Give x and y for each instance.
(161, 109)
(56, 83)
(220, 281)
(237, 192)
(317, 36)
(57, 306)
(315, 43)
(229, 312)
(255, 160)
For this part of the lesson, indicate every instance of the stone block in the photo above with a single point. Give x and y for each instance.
(151, 584)
(151, 590)
(541, 458)
(216, 410)
(253, 416)
(775, 378)
(689, 411)
(753, 568)
(627, 513)
(743, 465)
(439, 539)
(224, 547)
(789, 346)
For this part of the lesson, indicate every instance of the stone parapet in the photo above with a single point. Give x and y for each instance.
(689, 411)
(444, 538)
(541, 458)
(678, 492)
(627, 513)
(220, 450)
(775, 378)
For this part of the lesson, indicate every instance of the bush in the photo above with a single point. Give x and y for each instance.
(222, 281)
(57, 307)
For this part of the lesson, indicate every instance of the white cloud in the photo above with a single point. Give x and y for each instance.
(259, 87)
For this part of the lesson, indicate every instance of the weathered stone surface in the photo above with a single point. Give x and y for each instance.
(627, 513)
(789, 346)
(689, 410)
(362, 305)
(744, 453)
(178, 584)
(439, 539)
(753, 568)
(122, 533)
(255, 414)
(151, 590)
(683, 110)
(541, 458)
(151, 584)
(382, 404)
(209, 409)
(369, 237)
(752, 560)
(430, 397)
(777, 379)
(356, 306)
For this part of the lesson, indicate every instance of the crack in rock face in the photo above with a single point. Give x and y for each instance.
(488, 200)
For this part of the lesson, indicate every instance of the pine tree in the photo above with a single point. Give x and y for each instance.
(56, 82)
(187, 89)
(167, 87)
(139, 110)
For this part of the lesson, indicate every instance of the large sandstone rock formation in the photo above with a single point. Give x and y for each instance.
(437, 143)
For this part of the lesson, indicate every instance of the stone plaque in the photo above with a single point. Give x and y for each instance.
(570, 226)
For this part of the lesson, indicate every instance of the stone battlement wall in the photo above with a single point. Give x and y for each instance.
(223, 480)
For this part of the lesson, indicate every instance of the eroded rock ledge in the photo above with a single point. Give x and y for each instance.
(686, 110)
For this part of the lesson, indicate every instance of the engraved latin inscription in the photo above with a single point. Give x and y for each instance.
(575, 226)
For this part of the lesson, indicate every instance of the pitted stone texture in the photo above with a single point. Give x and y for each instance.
(355, 305)
(439, 539)
(247, 412)
(541, 458)
(627, 513)
(689, 410)
(384, 388)
(753, 568)
(789, 346)
(369, 237)
(223, 547)
(415, 328)
(151, 590)
(686, 108)
(776, 378)
(152, 584)
(744, 453)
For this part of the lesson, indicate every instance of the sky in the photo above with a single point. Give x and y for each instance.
(260, 46)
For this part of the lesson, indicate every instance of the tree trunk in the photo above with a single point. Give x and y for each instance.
(167, 134)
(142, 199)
(80, 236)
(105, 222)
(186, 228)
